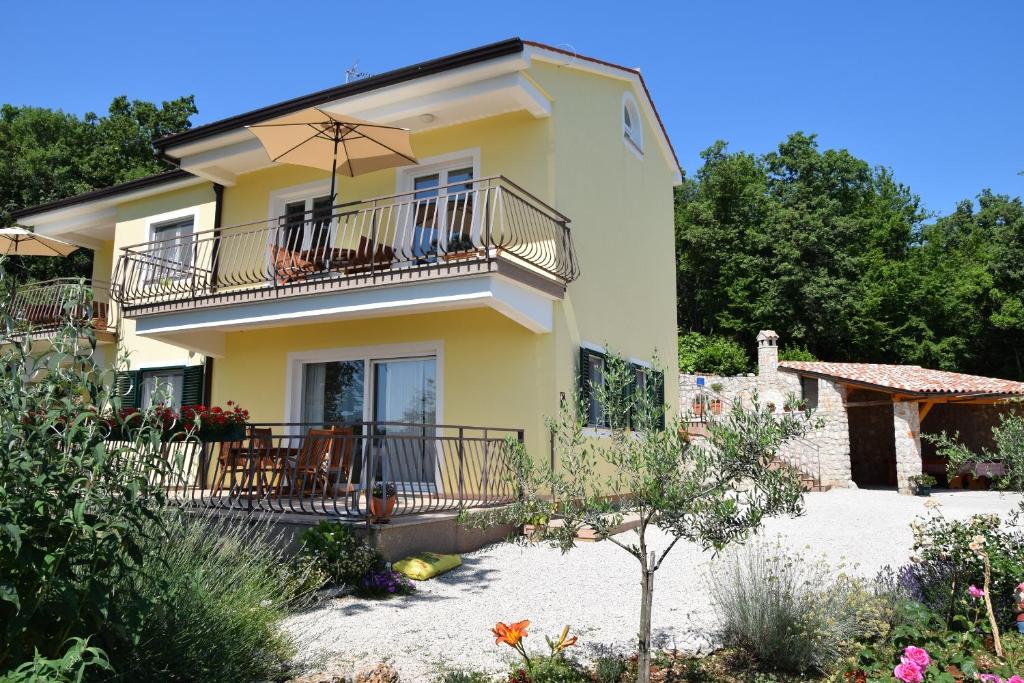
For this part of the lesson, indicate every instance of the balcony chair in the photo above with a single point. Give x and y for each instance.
(234, 458)
(362, 261)
(322, 465)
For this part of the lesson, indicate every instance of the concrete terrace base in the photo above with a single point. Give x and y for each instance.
(438, 532)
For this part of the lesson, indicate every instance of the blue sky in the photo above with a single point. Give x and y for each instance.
(933, 89)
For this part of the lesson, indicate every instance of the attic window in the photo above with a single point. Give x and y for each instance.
(632, 126)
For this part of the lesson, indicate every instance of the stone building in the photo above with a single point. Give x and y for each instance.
(873, 415)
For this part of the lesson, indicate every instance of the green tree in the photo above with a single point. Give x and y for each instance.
(47, 154)
(711, 494)
(711, 354)
(811, 243)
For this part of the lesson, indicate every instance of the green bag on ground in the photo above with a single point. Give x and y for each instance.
(426, 565)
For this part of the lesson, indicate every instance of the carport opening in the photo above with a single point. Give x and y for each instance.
(973, 422)
(872, 439)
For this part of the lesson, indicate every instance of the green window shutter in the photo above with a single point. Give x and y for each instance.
(658, 388)
(128, 385)
(584, 380)
(192, 385)
(637, 371)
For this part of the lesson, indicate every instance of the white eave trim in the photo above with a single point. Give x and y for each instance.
(97, 212)
(632, 77)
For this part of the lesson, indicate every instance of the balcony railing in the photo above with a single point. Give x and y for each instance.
(334, 469)
(45, 306)
(449, 229)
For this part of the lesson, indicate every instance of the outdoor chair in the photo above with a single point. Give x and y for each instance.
(322, 464)
(366, 258)
(233, 458)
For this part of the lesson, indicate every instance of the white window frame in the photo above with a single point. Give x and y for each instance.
(306, 192)
(368, 354)
(632, 135)
(406, 176)
(161, 371)
(160, 220)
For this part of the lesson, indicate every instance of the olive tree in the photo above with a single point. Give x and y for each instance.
(710, 492)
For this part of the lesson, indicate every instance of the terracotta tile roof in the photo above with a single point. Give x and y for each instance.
(908, 378)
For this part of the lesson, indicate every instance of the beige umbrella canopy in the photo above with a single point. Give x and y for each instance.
(334, 142)
(22, 242)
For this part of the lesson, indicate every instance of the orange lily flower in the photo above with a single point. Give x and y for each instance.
(510, 633)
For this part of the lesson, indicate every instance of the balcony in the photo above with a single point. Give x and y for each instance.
(333, 469)
(407, 244)
(40, 309)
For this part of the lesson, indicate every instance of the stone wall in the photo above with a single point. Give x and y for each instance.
(907, 434)
(824, 454)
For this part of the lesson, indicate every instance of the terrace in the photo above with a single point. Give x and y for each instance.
(41, 308)
(332, 470)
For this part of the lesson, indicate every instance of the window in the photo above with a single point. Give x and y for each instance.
(632, 125)
(163, 387)
(443, 211)
(170, 256)
(809, 392)
(592, 379)
(306, 224)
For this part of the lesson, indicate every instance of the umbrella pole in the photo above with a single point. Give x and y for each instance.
(334, 168)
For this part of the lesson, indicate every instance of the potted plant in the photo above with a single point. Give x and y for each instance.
(1018, 597)
(921, 484)
(383, 498)
(716, 406)
(698, 407)
(459, 247)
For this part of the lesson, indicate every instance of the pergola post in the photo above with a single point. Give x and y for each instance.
(907, 435)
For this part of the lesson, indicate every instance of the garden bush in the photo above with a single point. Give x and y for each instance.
(72, 504)
(711, 354)
(343, 557)
(794, 615)
(944, 566)
(218, 589)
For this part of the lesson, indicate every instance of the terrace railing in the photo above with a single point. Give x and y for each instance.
(447, 228)
(335, 469)
(44, 306)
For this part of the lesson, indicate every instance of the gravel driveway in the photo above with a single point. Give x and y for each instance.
(595, 589)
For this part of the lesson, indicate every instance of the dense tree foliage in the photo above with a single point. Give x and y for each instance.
(47, 154)
(836, 256)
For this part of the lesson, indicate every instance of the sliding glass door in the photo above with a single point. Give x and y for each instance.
(398, 395)
(405, 408)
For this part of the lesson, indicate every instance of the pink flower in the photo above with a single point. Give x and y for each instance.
(916, 655)
(989, 678)
(975, 592)
(1015, 679)
(908, 672)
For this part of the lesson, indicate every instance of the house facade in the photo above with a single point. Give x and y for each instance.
(535, 229)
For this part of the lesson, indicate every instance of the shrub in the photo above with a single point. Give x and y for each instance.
(71, 503)
(74, 665)
(341, 555)
(711, 354)
(796, 353)
(609, 669)
(463, 676)
(793, 615)
(944, 566)
(549, 669)
(219, 589)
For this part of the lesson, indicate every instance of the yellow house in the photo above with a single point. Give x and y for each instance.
(458, 298)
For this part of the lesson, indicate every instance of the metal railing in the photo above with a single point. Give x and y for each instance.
(335, 469)
(44, 306)
(437, 229)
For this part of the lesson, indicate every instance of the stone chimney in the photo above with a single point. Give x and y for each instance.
(767, 356)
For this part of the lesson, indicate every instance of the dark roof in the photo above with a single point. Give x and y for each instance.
(137, 184)
(910, 379)
(406, 73)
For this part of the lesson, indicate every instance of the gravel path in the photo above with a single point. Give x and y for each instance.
(595, 589)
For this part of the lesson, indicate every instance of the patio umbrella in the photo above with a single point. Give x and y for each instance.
(22, 242)
(334, 142)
